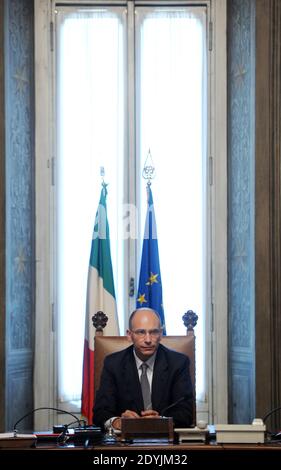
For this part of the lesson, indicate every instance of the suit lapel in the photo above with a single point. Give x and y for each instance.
(160, 378)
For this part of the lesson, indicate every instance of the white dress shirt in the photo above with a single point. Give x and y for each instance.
(150, 366)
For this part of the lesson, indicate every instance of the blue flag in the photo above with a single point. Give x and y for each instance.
(150, 285)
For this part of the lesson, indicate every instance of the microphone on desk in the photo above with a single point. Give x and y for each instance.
(45, 408)
(179, 400)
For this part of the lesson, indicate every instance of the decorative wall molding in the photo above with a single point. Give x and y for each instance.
(2, 225)
(20, 213)
(241, 206)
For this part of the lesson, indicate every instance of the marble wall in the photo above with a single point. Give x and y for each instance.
(20, 213)
(241, 208)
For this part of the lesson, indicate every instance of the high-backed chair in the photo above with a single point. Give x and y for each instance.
(105, 345)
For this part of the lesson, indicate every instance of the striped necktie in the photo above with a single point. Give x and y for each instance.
(145, 387)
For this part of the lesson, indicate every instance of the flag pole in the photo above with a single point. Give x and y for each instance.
(150, 285)
(100, 297)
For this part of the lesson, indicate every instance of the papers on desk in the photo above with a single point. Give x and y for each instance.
(9, 440)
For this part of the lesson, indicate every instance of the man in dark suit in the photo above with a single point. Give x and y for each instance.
(166, 377)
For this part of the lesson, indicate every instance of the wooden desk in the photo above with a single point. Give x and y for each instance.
(127, 456)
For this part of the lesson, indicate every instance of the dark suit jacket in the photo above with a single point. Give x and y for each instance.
(120, 388)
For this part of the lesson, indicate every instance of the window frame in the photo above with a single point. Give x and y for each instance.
(45, 383)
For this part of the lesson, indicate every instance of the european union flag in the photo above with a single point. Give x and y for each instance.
(150, 285)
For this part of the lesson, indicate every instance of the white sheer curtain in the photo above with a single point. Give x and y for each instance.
(90, 133)
(172, 112)
(171, 90)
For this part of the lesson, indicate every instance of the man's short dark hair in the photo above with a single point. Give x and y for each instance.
(139, 310)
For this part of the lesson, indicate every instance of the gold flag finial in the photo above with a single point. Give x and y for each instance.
(148, 172)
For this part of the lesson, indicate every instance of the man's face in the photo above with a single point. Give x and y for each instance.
(145, 333)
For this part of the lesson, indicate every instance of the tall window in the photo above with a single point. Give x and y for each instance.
(129, 80)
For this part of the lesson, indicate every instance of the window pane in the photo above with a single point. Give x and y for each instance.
(171, 88)
(172, 111)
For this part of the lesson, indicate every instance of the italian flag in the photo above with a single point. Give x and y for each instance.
(100, 296)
